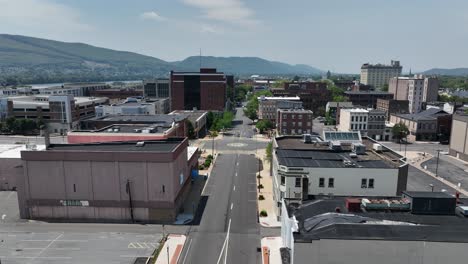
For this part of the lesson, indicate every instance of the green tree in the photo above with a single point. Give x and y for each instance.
(385, 87)
(264, 125)
(400, 131)
(340, 98)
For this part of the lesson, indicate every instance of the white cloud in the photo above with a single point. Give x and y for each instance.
(46, 17)
(229, 11)
(152, 15)
(210, 29)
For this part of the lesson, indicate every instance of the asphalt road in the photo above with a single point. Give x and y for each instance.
(448, 171)
(228, 228)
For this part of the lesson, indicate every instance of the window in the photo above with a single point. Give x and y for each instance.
(364, 126)
(163, 189)
(364, 183)
(360, 119)
(299, 116)
(284, 124)
(298, 182)
(371, 183)
(299, 124)
(352, 119)
(365, 119)
(322, 182)
(74, 187)
(309, 124)
(283, 179)
(293, 116)
(331, 183)
(360, 126)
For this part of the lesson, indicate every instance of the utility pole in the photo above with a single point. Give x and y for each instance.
(406, 142)
(437, 164)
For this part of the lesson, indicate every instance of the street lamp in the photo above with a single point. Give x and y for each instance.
(432, 187)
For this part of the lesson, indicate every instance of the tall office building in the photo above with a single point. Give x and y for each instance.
(204, 90)
(417, 90)
(377, 75)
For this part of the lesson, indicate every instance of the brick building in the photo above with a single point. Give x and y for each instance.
(204, 90)
(294, 121)
(107, 182)
(367, 98)
(391, 106)
(314, 95)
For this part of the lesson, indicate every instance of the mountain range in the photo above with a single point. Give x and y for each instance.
(448, 72)
(26, 59)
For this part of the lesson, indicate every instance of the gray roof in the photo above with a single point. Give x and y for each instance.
(416, 194)
(167, 145)
(368, 92)
(429, 114)
(159, 118)
(317, 220)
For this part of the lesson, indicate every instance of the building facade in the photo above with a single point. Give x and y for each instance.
(204, 90)
(377, 75)
(376, 124)
(107, 182)
(61, 113)
(302, 170)
(392, 106)
(417, 90)
(354, 119)
(294, 121)
(116, 95)
(459, 139)
(268, 106)
(314, 95)
(157, 88)
(431, 124)
(367, 99)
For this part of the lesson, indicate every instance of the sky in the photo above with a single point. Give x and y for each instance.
(335, 35)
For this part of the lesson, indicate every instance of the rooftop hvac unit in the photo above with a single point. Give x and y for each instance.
(377, 147)
(307, 138)
(348, 163)
(137, 130)
(359, 148)
(140, 144)
(335, 145)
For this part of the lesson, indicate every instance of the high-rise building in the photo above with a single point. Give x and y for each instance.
(204, 90)
(416, 90)
(377, 75)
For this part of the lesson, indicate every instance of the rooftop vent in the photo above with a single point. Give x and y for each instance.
(347, 163)
(307, 138)
(140, 144)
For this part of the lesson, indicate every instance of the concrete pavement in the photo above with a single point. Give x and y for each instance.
(171, 250)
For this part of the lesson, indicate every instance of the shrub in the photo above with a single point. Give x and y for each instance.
(261, 197)
(259, 176)
(260, 186)
(207, 163)
(210, 157)
(263, 213)
(201, 167)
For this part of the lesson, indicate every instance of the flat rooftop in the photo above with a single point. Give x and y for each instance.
(13, 151)
(286, 98)
(158, 118)
(293, 152)
(143, 129)
(160, 146)
(317, 220)
(368, 92)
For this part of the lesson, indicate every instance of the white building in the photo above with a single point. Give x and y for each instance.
(75, 89)
(354, 119)
(378, 75)
(134, 106)
(302, 169)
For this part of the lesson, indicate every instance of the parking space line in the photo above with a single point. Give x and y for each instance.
(44, 249)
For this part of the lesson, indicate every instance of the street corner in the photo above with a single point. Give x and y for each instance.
(172, 249)
(271, 250)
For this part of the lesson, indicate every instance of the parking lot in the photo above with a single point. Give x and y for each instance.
(34, 242)
(69, 247)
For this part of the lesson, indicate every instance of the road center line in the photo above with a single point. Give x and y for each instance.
(236, 174)
(234, 188)
(232, 205)
(187, 252)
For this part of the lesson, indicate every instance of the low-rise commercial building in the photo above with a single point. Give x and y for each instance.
(157, 88)
(392, 106)
(107, 182)
(367, 99)
(197, 118)
(342, 165)
(459, 139)
(376, 124)
(268, 106)
(432, 124)
(116, 95)
(61, 113)
(294, 121)
(75, 89)
(135, 106)
(354, 119)
(337, 230)
(333, 110)
(314, 95)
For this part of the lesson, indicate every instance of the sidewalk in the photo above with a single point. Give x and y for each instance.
(268, 204)
(171, 250)
(271, 250)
